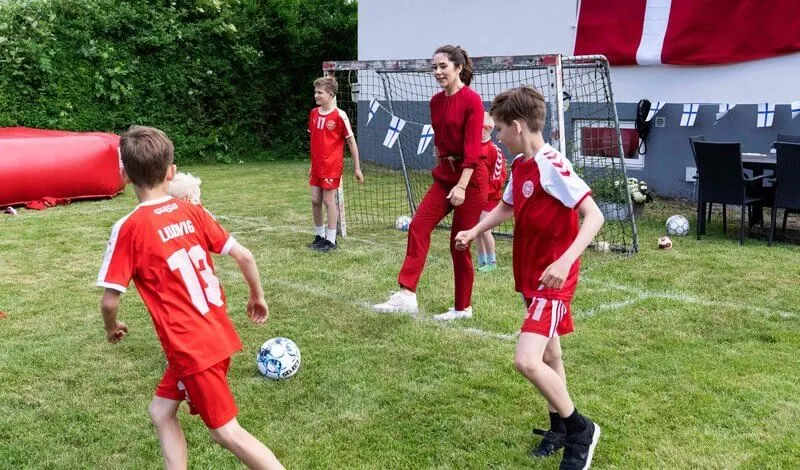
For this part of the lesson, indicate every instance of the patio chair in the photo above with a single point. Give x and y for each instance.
(787, 184)
(692, 140)
(722, 180)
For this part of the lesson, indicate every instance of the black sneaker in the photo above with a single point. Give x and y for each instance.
(326, 246)
(579, 448)
(316, 242)
(550, 444)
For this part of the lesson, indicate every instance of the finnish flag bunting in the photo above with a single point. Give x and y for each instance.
(689, 114)
(373, 108)
(425, 138)
(766, 113)
(723, 110)
(393, 133)
(795, 108)
(654, 109)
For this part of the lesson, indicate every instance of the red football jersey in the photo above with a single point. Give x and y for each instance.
(496, 169)
(328, 134)
(544, 192)
(164, 246)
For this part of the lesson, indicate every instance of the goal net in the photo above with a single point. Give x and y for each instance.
(388, 105)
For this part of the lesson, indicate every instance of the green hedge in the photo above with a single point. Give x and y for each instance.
(225, 79)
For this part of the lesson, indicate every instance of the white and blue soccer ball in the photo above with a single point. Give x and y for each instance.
(402, 223)
(677, 225)
(278, 359)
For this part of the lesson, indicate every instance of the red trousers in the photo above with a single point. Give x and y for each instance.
(434, 207)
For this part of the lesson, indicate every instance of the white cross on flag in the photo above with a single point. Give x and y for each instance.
(654, 109)
(689, 114)
(425, 138)
(393, 133)
(766, 113)
(723, 110)
(373, 108)
(795, 108)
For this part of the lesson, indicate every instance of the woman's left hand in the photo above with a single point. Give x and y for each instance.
(456, 196)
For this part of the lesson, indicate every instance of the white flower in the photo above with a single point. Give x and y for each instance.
(638, 197)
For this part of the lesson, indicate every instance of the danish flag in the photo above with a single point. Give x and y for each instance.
(687, 32)
(558, 162)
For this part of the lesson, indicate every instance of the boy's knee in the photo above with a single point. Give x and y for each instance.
(160, 414)
(527, 366)
(224, 435)
(552, 357)
(316, 200)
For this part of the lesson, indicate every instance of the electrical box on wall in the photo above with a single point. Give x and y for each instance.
(691, 172)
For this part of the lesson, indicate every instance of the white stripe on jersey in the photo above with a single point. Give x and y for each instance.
(346, 120)
(112, 243)
(228, 245)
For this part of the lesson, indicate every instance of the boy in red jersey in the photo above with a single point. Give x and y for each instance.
(163, 247)
(496, 168)
(329, 128)
(545, 196)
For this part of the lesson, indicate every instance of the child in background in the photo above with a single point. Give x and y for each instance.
(329, 128)
(185, 187)
(496, 166)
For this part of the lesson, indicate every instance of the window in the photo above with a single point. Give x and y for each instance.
(596, 142)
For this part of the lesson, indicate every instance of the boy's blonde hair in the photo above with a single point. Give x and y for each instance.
(146, 155)
(328, 84)
(185, 187)
(523, 103)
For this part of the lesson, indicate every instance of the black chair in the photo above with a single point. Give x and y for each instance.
(722, 180)
(787, 183)
(692, 140)
(794, 139)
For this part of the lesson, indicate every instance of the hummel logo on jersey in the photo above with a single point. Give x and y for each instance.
(498, 168)
(166, 209)
(559, 162)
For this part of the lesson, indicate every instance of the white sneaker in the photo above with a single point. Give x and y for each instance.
(453, 314)
(398, 302)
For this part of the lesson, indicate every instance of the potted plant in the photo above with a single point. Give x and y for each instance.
(640, 195)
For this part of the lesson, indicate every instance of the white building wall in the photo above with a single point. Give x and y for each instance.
(410, 29)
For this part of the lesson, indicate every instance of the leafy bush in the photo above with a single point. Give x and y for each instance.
(224, 79)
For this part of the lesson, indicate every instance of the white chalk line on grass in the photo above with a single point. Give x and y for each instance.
(678, 297)
(257, 224)
(316, 291)
(264, 226)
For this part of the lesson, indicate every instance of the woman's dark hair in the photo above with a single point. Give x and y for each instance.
(458, 56)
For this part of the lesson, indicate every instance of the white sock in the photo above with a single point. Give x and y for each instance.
(319, 230)
(331, 235)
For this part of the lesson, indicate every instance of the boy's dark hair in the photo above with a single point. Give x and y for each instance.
(523, 103)
(147, 154)
(328, 84)
(458, 56)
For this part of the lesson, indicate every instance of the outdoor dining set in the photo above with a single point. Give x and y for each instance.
(751, 181)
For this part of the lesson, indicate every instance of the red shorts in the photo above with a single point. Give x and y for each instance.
(490, 205)
(547, 317)
(206, 392)
(324, 183)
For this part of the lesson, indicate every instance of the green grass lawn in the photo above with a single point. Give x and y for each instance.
(687, 358)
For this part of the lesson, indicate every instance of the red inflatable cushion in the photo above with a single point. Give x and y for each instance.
(37, 163)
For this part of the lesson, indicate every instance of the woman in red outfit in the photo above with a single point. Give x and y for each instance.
(459, 184)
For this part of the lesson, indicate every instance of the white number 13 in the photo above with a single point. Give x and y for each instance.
(186, 262)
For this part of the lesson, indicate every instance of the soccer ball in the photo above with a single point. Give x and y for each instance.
(664, 243)
(278, 359)
(677, 225)
(402, 223)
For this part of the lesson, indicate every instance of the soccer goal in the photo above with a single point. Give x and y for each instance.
(387, 102)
